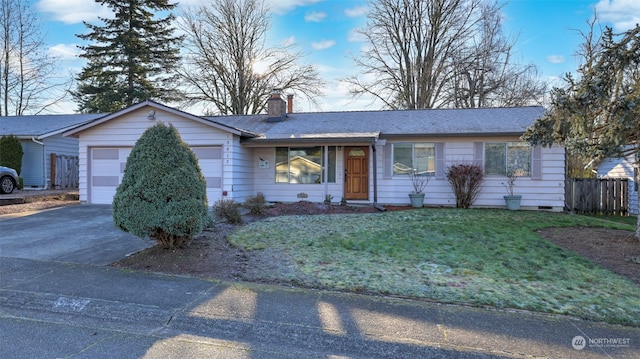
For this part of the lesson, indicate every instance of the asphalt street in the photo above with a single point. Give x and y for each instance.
(71, 305)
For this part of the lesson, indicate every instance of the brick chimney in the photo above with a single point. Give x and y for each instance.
(289, 103)
(276, 106)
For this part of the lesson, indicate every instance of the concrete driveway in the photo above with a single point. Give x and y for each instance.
(78, 234)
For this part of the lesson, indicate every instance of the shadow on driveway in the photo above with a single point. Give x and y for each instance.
(78, 234)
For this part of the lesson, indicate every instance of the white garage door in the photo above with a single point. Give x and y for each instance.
(107, 165)
(210, 160)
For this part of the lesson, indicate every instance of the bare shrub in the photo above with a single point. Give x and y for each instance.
(465, 180)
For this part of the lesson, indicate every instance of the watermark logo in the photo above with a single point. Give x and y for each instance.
(579, 342)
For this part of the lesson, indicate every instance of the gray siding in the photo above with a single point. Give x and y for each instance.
(32, 164)
(548, 191)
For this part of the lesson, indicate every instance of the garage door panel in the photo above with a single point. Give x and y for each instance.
(208, 153)
(210, 162)
(108, 164)
(105, 181)
(107, 168)
(214, 182)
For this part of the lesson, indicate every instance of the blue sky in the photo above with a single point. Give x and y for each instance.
(545, 32)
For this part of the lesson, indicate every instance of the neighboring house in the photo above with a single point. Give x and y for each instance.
(359, 156)
(40, 136)
(623, 168)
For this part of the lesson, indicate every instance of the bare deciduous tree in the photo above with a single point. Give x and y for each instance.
(30, 82)
(229, 69)
(485, 74)
(407, 63)
(440, 53)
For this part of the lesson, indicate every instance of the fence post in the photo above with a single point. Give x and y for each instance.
(52, 181)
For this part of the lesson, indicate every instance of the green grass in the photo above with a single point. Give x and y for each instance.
(630, 220)
(478, 257)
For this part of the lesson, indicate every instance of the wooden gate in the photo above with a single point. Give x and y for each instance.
(64, 171)
(597, 196)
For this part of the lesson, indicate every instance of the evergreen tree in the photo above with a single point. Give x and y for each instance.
(132, 57)
(597, 115)
(163, 193)
(11, 152)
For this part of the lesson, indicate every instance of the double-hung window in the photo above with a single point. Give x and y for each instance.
(305, 164)
(500, 157)
(418, 156)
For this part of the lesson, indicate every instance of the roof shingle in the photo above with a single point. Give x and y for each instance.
(432, 122)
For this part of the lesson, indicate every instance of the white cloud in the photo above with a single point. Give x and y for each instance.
(355, 35)
(282, 7)
(622, 14)
(322, 45)
(187, 3)
(291, 40)
(337, 97)
(74, 11)
(556, 59)
(356, 11)
(65, 51)
(315, 16)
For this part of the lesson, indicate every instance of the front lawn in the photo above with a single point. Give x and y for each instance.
(479, 257)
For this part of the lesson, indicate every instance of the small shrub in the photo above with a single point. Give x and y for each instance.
(256, 204)
(229, 210)
(465, 180)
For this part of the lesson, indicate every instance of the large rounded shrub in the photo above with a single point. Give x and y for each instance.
(163, 192)
(11, 152)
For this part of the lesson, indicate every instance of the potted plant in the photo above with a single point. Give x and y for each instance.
(512, 200)
(419, 182)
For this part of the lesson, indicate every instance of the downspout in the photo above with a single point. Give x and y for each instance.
(375, 177)
(44, 162)
(325, 170)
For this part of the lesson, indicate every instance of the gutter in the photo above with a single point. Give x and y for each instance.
(375, 176)
(461, 134)
(255, 142)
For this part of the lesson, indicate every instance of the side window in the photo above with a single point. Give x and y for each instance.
(519, 158)
(419, 156)
(495, 159)
(402, 158)
(504, 156)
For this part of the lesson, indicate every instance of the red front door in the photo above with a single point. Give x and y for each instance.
(356, 173)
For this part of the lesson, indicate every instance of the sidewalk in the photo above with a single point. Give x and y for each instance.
(53, 310)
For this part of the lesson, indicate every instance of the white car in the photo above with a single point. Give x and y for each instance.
(8, 179)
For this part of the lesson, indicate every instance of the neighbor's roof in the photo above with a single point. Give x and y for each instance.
(41, 126)
(397, 123)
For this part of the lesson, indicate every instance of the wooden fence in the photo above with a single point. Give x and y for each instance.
(597, 196)
(64, 171)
